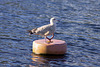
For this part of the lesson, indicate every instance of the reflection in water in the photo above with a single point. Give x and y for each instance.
(48, 60)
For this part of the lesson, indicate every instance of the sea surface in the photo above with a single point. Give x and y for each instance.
(79, 26)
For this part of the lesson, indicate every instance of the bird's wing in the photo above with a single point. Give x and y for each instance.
(43, 29)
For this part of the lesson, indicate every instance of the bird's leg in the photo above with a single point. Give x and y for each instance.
(50, 38)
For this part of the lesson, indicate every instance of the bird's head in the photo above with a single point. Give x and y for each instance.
(53, 20)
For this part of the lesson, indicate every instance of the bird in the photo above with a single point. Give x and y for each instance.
(45, 30)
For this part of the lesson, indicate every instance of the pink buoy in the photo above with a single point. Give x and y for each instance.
(55, 47)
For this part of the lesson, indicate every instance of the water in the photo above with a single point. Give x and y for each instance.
(79, 26)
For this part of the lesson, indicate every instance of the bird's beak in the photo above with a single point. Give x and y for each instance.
(58, 20)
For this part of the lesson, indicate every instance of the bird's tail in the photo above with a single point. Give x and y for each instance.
(30, 32)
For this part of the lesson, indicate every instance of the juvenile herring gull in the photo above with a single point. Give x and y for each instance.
(45, 30)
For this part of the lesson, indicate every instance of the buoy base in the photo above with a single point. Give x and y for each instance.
(55, 47)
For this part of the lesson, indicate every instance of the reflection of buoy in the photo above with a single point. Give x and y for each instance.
(56, 47)
(46, 59)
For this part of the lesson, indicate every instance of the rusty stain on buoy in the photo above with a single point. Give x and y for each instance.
(55, 47)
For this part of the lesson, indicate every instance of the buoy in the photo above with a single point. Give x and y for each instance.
(55, 47)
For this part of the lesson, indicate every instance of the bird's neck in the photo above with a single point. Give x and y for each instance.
(52, 23)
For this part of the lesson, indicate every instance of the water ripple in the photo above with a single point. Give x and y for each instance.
(79, 26)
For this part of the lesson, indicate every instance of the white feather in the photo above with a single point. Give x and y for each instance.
(46, 29)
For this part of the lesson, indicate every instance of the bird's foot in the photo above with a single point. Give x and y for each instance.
(49, 41)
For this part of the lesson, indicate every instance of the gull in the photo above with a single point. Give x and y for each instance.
(45, 30)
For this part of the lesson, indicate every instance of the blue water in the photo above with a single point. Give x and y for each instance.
(79, 26)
